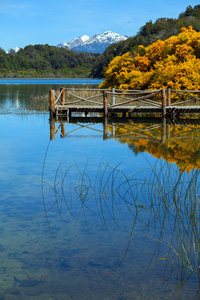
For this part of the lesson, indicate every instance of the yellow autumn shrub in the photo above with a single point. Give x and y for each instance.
(173, 63)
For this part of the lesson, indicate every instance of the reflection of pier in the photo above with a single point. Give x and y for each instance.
(111, 127)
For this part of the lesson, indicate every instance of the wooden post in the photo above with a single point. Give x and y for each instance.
(62, 130)
(62, 95)
(163, 134)
(105, 104)
(52, 129)
(113, 96)
(52, 103)
(168, 131)
(168, 96)
(105, 128)
(56, 114)
(163, 103)
(113, 131)
(68, 115)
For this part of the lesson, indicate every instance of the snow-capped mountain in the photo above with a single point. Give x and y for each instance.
(96, 44)
(15, 50)
(75, 42)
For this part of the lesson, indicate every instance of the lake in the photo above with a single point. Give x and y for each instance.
(84, 217)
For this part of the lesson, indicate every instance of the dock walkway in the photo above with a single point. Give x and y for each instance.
(164, 102)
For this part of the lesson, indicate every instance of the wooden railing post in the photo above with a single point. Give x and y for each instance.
(113, 96)
(113, 131)
(163, 134)
(168, 132)
(105, 128)
(52, 103)
(163, 103)
(168, 96)
(62, 95)
(105, 104)
(62, 130)
(52, 129)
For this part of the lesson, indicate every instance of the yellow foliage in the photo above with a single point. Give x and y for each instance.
(185, 153)
(142, 63)
(173, 63)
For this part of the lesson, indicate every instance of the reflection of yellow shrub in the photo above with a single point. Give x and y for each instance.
(176, 150)
(173, 63)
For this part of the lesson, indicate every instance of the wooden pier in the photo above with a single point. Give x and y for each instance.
(164, 102)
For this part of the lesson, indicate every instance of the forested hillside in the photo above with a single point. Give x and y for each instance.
(50, 61)
(46, 61)
(162, 29)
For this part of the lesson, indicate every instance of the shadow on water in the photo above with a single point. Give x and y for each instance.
(161, 202)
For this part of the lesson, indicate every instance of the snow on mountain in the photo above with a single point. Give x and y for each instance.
(75, 42)
(96, 44)
(15, 50)
(107, 37)
(85, 38)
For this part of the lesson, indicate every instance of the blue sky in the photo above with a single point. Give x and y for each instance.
(29, 22)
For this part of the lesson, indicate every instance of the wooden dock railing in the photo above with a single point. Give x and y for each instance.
(167, 102)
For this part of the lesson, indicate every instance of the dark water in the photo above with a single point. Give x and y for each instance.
(87, 218)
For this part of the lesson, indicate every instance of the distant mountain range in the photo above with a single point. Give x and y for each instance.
(95, 44)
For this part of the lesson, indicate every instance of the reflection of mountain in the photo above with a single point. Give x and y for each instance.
(179, 144)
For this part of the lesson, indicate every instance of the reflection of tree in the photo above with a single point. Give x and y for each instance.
(181, 146)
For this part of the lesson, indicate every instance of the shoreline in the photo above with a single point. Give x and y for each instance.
(60, 78)
(50, 81)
